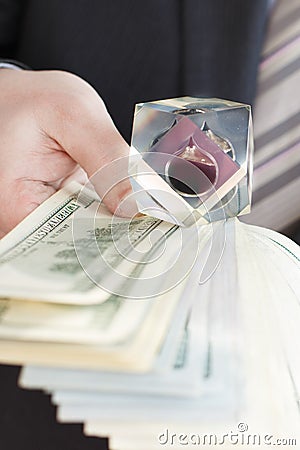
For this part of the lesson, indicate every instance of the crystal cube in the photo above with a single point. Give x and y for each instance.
(192, 159)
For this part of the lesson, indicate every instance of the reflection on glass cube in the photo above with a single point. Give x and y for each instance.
(192, 158)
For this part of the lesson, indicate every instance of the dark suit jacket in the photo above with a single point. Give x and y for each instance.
(130, 51)
(133, 50)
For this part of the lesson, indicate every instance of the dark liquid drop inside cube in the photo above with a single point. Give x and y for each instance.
(191, 177)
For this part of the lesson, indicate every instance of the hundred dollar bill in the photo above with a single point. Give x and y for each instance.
(266, 286)
(110, 336)
(163, 379)
(66, 248)
(70, 382)
(40, 260)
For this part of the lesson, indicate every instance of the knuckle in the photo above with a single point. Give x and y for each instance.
(78, 104)
(68, 101)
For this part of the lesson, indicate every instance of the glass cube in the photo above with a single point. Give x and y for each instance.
(191, 159)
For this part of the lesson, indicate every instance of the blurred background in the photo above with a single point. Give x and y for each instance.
(276, 182)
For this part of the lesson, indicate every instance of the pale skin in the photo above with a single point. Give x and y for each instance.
(54, 127)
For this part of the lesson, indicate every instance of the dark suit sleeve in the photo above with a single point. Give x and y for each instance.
(11, 12)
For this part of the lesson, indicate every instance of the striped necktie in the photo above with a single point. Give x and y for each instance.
(276, 181)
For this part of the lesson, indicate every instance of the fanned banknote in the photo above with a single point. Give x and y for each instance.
(68, 318)
(69, 249)
(191, 358)
(247, 349)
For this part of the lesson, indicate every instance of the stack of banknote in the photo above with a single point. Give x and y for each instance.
(153, 335)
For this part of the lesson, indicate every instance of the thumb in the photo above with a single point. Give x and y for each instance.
(85, 130)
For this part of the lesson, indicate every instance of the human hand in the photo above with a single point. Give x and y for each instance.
(54, 128)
